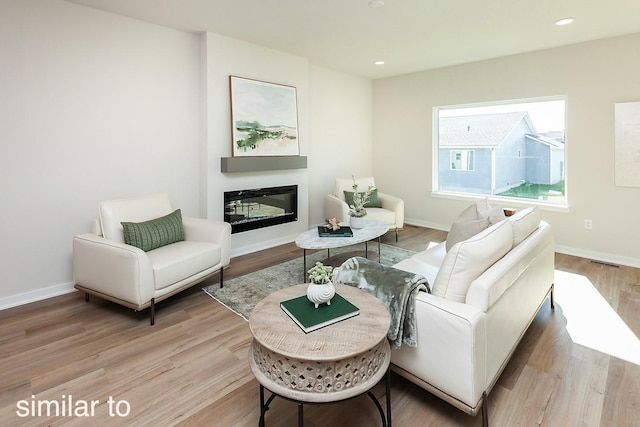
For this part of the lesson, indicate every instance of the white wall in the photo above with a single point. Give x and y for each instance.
(93, 106)
(593, 75)
(341, 130)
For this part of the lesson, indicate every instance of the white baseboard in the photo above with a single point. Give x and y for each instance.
(36, 295)
(599, 256)
(426, 224)
(267, 244)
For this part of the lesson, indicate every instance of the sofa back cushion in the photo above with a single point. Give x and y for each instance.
(524, 223)
(138, 209)
(473, 220)
(346, 184)
(466, 260)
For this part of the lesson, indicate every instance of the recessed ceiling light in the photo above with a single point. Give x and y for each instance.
(374, 4)
(564, 21)
(379, 63)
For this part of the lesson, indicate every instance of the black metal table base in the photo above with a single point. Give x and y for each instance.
(366, 255)
(386, 420)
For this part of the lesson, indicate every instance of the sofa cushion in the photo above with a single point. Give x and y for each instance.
(463, 229)
(346, 184)
(372, 202)
(137, 209)
(473, 220)
(381, 214)
(524, 223)
(155, 233)
(181, 260)
(466, 260)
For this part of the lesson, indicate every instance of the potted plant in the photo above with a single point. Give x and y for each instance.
(321, 288)
(357, 212)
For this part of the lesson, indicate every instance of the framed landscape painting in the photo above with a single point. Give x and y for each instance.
(264, 118)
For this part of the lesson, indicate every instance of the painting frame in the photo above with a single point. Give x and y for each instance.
(264, 118)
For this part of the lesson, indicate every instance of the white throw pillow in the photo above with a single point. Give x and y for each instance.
(469, 259)
(494, 215)
(473, 220)
(463, 229)
(524, 223)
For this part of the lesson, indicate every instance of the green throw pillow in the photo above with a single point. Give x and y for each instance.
(152, 234)
(373, 202)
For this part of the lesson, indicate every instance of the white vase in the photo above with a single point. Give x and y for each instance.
(319, 294)
(356, 222)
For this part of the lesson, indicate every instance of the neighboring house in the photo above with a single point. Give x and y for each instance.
(491, 153)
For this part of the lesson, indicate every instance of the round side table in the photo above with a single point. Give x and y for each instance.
(337, 362)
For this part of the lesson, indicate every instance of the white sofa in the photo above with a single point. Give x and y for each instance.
(391, 208)
(486, 291)
(105, 266)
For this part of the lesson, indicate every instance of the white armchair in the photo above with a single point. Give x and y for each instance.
(105, 266)
(391, 210)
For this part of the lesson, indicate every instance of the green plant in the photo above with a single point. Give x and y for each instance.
(320, 273)
(359, 200)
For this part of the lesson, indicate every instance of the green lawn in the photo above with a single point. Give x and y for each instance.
(536, 191)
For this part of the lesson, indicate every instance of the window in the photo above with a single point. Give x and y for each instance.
(508, 149)
(462, 160)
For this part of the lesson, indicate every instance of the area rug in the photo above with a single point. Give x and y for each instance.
(242, 293)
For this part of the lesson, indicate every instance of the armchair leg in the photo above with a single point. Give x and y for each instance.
(87, 297)
(485, 411)
(396, 234)
(221, 277)
(553, 306)
(153, 311)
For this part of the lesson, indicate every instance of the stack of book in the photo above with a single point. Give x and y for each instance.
(343, 231)
(309, 318)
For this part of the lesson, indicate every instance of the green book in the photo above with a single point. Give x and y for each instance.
(309, 318)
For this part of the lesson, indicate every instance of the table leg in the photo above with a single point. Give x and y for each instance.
(262, 410)
(304, 266)
(300, 415)
(379, 253)
(388, 393)
(366, 250)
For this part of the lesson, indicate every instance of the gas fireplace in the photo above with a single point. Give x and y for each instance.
(260, 207)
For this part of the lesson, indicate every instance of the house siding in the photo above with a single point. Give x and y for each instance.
(477, 181)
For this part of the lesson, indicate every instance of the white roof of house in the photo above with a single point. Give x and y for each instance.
(485, 130)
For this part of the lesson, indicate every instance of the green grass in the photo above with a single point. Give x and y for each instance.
(534, 191)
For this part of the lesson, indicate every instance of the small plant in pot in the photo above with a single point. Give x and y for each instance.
(357, 212)
(321, 289)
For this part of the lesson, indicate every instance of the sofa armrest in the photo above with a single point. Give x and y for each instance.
(450, 353)
(335, 208)
(111, 268)
(394, 204)
(204, 230)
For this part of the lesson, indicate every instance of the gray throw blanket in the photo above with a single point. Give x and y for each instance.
(397, 289)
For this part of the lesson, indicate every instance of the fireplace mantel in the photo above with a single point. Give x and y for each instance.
(264, 163)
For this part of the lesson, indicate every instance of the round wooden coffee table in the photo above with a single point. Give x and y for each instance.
(337, 362)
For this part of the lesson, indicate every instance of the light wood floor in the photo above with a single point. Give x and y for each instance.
(191, 368)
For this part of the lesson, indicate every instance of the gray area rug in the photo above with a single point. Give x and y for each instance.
(241, 294)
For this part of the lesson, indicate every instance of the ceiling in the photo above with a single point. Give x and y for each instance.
(409, 35)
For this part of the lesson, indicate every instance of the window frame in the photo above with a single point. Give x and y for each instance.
(554, 205)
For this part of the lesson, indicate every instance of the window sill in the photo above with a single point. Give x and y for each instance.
(506, 201)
